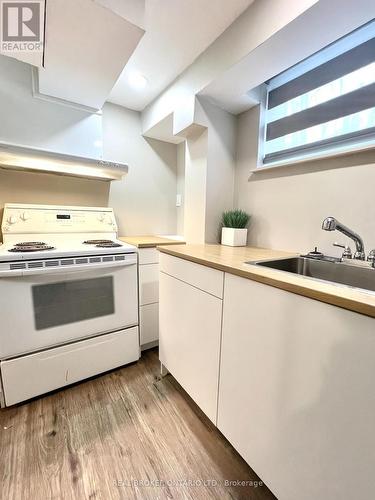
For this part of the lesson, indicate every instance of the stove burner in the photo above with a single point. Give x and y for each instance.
(97, 242)
(102, 243)
(30, 244)
(30, 248)
(112, 244)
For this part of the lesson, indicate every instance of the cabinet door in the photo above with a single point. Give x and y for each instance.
(149, 323)
(148, 284)
(296, 396)
(190, 330)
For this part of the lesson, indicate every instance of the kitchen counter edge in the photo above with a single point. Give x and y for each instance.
(149, 241)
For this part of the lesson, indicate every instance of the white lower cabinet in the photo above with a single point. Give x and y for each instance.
(296, 393)
(148, 297)
(190, 331)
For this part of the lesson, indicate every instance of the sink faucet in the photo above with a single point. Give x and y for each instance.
(332, 224)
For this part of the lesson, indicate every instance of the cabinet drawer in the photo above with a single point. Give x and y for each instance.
(149, 323)
(148, 256)
(203, 277)
(148, 284)
(29, 376)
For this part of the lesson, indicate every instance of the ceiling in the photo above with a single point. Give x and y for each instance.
(177, 31)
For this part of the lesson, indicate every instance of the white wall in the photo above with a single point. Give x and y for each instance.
(209, 172)
(221, 155)
(288, 205)
(196, 188)
(145, 200)
(181, 188)
(33, 122)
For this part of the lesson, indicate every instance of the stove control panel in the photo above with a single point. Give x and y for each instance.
(25, 219)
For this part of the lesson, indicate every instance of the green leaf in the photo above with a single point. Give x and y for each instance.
(237, 219)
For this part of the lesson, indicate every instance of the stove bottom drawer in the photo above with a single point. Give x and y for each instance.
(35, 374)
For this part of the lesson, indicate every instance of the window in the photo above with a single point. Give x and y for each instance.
(325, 104)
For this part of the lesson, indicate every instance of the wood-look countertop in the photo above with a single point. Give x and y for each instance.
(149, 241)
(232, 260)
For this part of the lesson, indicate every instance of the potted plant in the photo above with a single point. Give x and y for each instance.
(234, 228)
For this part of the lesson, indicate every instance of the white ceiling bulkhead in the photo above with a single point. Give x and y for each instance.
(177, 32)
(86, 48)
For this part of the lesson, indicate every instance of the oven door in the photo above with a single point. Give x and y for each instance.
(50, 308)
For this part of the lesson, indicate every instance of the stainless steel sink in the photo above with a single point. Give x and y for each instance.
(328, 270)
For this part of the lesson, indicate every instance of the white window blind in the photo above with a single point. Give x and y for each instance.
(329, 105)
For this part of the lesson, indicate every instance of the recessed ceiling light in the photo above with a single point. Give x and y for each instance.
(137, 80)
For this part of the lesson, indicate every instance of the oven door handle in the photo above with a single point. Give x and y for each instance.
(72, 269)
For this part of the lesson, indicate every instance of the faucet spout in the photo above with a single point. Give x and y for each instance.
(332, 224)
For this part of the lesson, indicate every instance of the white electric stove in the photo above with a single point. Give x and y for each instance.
(68, 298)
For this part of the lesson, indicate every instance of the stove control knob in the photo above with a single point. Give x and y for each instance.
(101, 218)
(12, 219)
(25, 216)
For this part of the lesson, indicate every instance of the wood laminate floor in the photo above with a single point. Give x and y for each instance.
(96, 439)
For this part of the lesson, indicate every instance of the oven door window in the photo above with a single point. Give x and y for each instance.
(67, 302)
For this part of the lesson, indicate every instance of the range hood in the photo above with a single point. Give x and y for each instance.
(38, 160)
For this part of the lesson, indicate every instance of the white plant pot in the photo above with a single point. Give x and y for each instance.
(233, 237)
